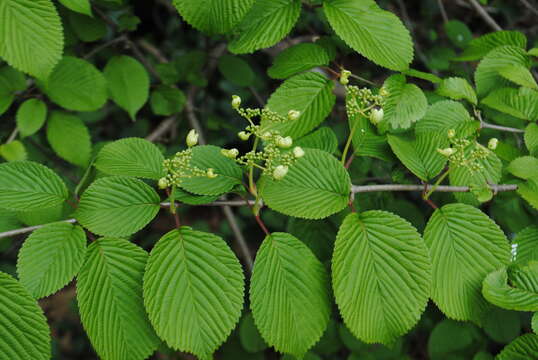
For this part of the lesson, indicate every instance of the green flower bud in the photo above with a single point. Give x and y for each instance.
(236, 101)
(192, 138)
(293, 114)
(298, 152)
(243, 135)
(344, 77)
(279, 172)
(492, 143)
(447, 152)
(232, 153)
(383, 92)
(163, 183)
(210, 174)
(376, 116)
(451, 133)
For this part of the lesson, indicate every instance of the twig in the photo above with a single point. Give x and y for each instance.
(13, 135)
(529, 6)
(104, 46)
(485, 125)
(483, 13)
(148, 47)
(162, 129)
(28, 229)
(248, 258)
(440, 188)
(442, 10)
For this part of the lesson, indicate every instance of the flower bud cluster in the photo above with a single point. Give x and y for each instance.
(465, 152)
(361, 101)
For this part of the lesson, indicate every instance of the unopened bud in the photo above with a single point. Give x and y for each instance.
(232, 153)
(293, 114)
(383, 92)
(236, 101)
(298, 152)
(163, 183)
(192, 138)
(284, 142)
(210, 174)
(344, 77)
(376, 116)
(266, 135)
(243, 135)
(447, 152)
(492, 143)
(279, 172)
(451, 133)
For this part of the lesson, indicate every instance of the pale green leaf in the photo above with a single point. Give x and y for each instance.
(522, 103)
(520, 75)
(316, 186)
(267, 22)
(26, 186)
(131, 157)
(31, 36)
(80, 6)
(24, 333)
(529, 191)
(213, 16)
(533, 51)
(524, 167)
(195, 279)
(77, 85)
(526, 243)
(479, 47)
(236, 70)
(31, 116)
(297, 59)
(531, 139)
(13, 151)
(405, 103)
(109, 295)
(465, 245)
(524, 347)
(128, 83)
(289, 294)
(375, 33)
(310, 94)
(130, 203)
(50, 257)
(323, 138)
(167, 100)
(69, 138)
(457, 88)
(381, 275)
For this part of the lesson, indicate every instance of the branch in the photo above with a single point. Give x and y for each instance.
(441, 188)
(485, 125)
(162, 129)
(529, 6)
(483, 13)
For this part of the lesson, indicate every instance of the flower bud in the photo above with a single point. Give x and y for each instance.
(451, 133)
(210, 174)
(163, 183)
(192, 138)
(383, 92)
(243, 135)
(492, 143)
(447, 152)
(284, 142)
(298, 152)
(266, 135)
(376, 116)
(344, 77)
(279, 172)
(293, 114)
(236, 101)
(232, 153)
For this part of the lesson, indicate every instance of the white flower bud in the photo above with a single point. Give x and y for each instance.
(376, 116)
(492, 143)
(344, 77)
(236, 101)
(298, 152)
(210, 174)
(192, 138)
(279, 172)
(447, 152)
(293, 114)
(163, 183)
(232, 153)
(266, 135)
(451, 133)
(243, 135)
(284, 142)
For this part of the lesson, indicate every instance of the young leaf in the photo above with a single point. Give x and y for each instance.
(129, 202)
(31, 35)
(297, 59)
(50, 257)
(526, 243)
(457, 88)
(31, 116)
(315, 187)
(24, 333)
(522, 103)
(465, 245)
(266, 23)
(131, 157)
(531, 139)
(479, 47)
(77, 85)
(375, 33)
(194, 279)
(26, 186)
(80, 6)
(405, 103)
(13, 151)
(87, 28)
(520, 75)
(167, 100)
(524, 167)
(389, 288)
(128, 83)
(109, 295)
(289, 294)
(69, 138)
(236, 70)
(323, 138)
(522, 348)
(310, 94)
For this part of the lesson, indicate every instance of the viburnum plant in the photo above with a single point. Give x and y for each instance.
(410, 194)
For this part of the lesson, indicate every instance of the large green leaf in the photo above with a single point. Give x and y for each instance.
(24, 333)
(69, 138)
(25, 186)
(193, 290)
(289, 294)
(50, 258)
(316, 186)
(128, 83)
(323, 138)
(443, 116)
(117, 206)
(526, 242)
(377, 34)
(213, 16)
(479, 47)
(310, 94)
(31, 116)
(524, 347)
(131, 157)
(296, 59)
(457, 88)
(267, 22)
(77, 85)
(381, 275)
(31, 36)
(109, 295)
(522, 103)
(531, 139)
(405, 103)
(524, 167)
(465, 245)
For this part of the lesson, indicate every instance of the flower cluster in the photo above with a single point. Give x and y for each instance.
(362, 101)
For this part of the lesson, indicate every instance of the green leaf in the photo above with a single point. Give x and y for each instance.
(31, 116)
(449, 336)
(13, 151)
(323, 138)
(405, 103)
(11, 82)
(250, 337)
(26, 186)
(192, 199)
(31, 35)
(531, 139)
(381, 275)
(80, 6)
(289, 294)
(167, 100)
(316, 186)
(131, 157)
(458, 33)
(524, 347)
(87, 28)
(522, 103)
(236, 70)
(443, 116)
(524, 167)
(128, 83)
(502, 325)
(194, 278)
(69, 138)
(465, 245)
(367, 141)
(422, 75)
(50, 257)
(375, 33)
(529, 191)
(479, 47)
(457, 88)
(310, 94)
(129, 202)
(318, 235)
(526, 243)
(77, 85)
(213, 16)
(419, 154)
(266, 23)
(487, 75)
(297, 59)
(228, 172)
(109, 295)
(520, 75)
(24, 333)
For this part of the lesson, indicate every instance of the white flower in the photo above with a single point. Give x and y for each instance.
(192, 138)
(236, 101)
(293, 114)
(232, 153)
(279, 172)
(447, 152)
(298, 152)
(492, 143)
(376, 116)
(284, 142)
(243, 135)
